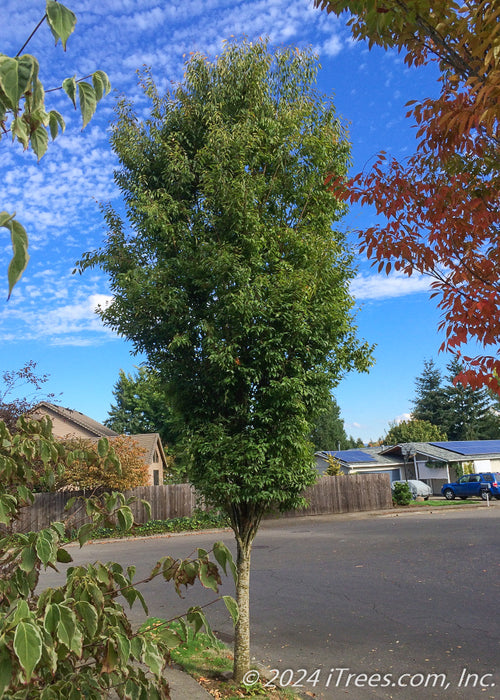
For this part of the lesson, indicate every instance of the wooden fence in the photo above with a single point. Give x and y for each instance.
(347, 494)
(331, 494)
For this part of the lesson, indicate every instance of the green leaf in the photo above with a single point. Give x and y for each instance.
(20, 130)
(232, 606)
(27, 646)
(196, 617)
(20, 257)
(58, 528)
(45, 548)
(69, 87)
(39, 141)
(22, 612)
(15, 76)
(51, 618)
(125, 518)
(61, 21)
(67, 631)
(88, 614)
(224, 557)
(5, 669)
(147, 507)
(88, 102)
(152, 658)
(207, 576)
(103, 447)
(63, 556)
(101, 84)
(123, 647)
(45, 452)
(84, 533)
(7, 508)
(28, 559)
(56, 122)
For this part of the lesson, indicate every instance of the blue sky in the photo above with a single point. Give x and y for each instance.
(50, 317)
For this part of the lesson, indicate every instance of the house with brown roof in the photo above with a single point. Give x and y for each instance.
(67, 422)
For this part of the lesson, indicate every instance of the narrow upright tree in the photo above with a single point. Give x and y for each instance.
(231, 280)
(430, 396)
(329, 432)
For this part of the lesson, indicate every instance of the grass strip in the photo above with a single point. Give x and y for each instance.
(211, 664)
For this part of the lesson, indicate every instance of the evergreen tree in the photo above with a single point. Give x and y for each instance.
(354, 442)
(460, 412)
(430, 397)
(469, 414)
(329, 432)
(142, 407)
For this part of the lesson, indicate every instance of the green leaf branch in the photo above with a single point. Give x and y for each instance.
(23, 112)
(75, 640)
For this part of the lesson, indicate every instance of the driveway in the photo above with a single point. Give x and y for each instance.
(367, 606)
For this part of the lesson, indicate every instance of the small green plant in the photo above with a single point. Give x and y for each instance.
(401, 494)
(200, 520)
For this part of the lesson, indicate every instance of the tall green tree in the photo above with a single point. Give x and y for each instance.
(329, 431)
(430, 396)
(459, 411)
(231, 279)
(469, 414)
(141, 407)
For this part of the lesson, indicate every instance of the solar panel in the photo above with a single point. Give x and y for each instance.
(351, 456)
(470, 447)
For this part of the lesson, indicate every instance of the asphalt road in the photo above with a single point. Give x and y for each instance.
(357, 607)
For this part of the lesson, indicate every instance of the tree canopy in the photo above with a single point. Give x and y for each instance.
(231, 279)
(23, 112)
(440, 208)
(413, 430)
(430, 401)
(141, 406)
(329, 430)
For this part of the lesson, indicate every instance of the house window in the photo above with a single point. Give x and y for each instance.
(156, 457)
(156, 477)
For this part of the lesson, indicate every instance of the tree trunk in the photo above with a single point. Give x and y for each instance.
(242, 631)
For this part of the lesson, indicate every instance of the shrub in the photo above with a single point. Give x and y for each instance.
(89, 469)
(401, 494)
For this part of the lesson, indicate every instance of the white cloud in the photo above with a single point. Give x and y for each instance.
(56, 310)
(380, 286)
(402, 417)
(331, 47)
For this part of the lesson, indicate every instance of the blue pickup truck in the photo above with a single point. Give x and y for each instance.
(485, 485)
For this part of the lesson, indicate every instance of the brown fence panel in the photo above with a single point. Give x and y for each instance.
(331, 494)
(172, 501)
(347, 494)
